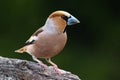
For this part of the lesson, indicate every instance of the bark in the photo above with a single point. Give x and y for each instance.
(16, 69)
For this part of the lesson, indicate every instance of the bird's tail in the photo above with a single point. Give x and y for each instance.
(21, 50)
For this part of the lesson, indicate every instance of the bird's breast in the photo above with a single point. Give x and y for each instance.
(48, 45)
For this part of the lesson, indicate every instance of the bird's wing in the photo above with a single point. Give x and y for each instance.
(34, 37)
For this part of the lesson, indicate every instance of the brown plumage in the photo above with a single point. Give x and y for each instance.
(50, 39)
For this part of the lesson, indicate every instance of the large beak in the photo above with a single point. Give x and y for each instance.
(72, 20)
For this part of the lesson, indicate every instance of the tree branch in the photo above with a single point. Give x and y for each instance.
(16, 69)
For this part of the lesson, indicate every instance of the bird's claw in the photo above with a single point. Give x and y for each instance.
(57, 70)
(43, 65)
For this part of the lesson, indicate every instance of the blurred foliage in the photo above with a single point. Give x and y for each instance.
(93, 48)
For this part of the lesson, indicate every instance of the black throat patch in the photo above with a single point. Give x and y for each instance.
(65, 29)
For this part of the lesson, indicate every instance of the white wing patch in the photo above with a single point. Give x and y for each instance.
(34, 37)
(31, 40)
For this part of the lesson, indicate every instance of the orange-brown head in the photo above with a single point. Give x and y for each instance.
(60, 19)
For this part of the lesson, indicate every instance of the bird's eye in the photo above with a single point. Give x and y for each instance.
(64, 17)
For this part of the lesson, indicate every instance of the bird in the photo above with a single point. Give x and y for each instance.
(49, 39)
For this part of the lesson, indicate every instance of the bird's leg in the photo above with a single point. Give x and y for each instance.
(40, 62)
(54, 66)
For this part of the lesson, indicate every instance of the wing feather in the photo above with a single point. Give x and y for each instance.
(34, 37)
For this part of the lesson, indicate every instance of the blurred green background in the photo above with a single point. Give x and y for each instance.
(93, 48)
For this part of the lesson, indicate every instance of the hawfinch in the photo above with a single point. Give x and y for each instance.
(49, 39)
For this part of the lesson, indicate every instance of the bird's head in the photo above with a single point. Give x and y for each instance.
(60, 19)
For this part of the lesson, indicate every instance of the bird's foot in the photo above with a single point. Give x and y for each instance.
(43, 65)
(57, 70)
